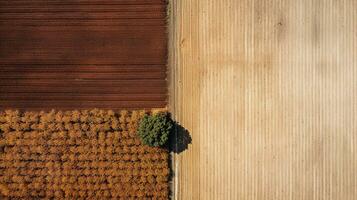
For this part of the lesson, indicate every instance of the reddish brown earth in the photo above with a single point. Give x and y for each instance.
(82, 54)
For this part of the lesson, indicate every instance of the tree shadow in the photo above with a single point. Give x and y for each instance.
(180, 139)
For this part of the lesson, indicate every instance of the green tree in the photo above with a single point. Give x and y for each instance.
(154, 130)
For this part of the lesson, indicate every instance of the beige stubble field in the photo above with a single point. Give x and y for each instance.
(268, 91)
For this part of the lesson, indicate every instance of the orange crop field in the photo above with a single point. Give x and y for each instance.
(93, 154)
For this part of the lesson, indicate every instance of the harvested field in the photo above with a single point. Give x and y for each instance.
(268, 91)
(78, 155)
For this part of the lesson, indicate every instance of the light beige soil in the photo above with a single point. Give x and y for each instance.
(268, 91)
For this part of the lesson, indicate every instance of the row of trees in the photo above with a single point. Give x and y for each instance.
(119, 164)
(83, 116)
(93, 179)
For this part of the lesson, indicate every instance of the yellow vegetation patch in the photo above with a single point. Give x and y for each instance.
(92, 154)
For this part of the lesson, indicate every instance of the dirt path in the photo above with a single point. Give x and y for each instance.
(268, 92)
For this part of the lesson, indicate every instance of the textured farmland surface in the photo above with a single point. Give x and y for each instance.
(268, 91)
(78, 155)
(82, 54)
